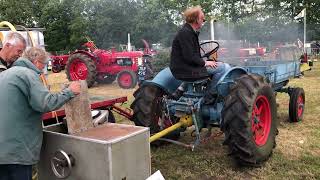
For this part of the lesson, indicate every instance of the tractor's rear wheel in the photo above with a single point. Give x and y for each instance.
(127, 79)
(81, 67)
(249, 120)
(148, 110)
(296, 105)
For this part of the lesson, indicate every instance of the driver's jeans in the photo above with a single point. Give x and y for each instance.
(15, 172)
(215, 73)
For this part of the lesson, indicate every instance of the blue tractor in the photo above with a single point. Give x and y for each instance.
(243, 105)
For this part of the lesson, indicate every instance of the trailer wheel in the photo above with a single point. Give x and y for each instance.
(127, 79)
(81, 67)
(148, 110)
(296, 105)
(249, 120)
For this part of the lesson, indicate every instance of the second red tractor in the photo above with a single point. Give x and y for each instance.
(102, 66)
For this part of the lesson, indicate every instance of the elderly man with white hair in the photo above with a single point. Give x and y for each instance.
(13, 47)
(23, 100)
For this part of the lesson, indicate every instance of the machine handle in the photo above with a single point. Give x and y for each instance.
(61, 164)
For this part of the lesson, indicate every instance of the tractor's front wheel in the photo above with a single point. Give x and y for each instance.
(149, 110)
(127, 79)
(249, 120)
(81, 67)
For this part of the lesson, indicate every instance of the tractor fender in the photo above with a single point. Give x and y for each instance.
(228, 78)
(84, 52)
(232, 74)
(164, 80)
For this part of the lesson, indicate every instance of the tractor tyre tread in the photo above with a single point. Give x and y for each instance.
(146, 107)
(89, 62)
(293, 114)
(236, 123)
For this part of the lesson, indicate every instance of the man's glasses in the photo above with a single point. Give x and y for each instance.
(44, 63)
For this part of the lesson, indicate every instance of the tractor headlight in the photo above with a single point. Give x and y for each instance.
(139, 61)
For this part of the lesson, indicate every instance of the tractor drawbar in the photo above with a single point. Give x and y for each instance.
(185, 121)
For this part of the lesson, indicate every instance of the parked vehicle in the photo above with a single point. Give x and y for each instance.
(103, 66)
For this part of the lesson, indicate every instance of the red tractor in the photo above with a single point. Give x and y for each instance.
(102, 66)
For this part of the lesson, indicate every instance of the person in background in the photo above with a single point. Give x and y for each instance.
(23, 100)
(186, 63)
(13, 47)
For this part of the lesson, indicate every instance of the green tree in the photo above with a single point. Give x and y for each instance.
(64, 23)
(24, 13)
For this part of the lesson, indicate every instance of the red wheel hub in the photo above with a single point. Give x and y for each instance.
(78, 70)
(300, 105)
(261, 120)
(125, 79)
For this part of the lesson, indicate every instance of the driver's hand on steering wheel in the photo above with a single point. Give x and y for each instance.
(212, 64)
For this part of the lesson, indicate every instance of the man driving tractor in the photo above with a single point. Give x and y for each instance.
(186, 63)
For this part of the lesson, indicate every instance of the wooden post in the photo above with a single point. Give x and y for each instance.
(78, 111)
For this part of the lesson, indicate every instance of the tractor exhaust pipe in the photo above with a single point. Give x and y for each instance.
(129, 43)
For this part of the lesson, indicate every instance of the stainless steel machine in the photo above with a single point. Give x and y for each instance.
(110, 151)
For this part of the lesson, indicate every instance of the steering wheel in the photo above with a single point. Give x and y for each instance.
(208, 48)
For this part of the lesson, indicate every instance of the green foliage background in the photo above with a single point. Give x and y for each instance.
(108, 22)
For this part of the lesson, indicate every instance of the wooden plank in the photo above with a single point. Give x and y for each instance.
(78, 111)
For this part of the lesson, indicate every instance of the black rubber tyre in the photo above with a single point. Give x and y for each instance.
(147, 109)
(247, 146)
(81, 67)
(56, 69)
(127, 79)
(296, 105)
(106, 80)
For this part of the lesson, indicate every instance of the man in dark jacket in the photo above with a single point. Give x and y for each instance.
(13, 47)
(186, 63)
(23, 100)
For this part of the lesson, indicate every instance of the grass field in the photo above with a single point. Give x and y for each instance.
(296, 156)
